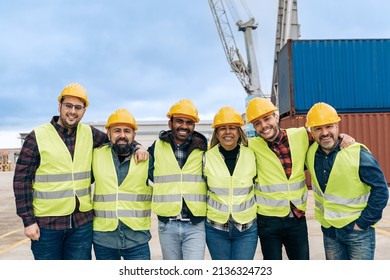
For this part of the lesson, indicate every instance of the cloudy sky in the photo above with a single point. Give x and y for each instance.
(146, 55)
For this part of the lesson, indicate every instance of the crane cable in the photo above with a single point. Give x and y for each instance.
(245, 6)
(236, 13)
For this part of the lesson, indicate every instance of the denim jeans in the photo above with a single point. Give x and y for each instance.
(182, 240)
(69, 244)
(342, 244)
(140, 252)
(232, 244)
(275, 232)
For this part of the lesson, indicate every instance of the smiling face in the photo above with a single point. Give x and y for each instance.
(326, 136)
(71, 110)
(182, 128)
(228, 136)
(121, 137)
(267, 126)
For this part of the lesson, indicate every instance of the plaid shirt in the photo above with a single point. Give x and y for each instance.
(27, 164)
(180, 151)
(280, 146)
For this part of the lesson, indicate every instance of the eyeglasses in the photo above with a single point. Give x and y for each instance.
(70, 106)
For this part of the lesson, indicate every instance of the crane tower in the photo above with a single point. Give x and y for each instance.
(287, 27)
(248, 74)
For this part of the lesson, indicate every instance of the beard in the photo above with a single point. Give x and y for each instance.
(121, 149)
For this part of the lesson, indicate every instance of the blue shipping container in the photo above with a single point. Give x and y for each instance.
(351, 75)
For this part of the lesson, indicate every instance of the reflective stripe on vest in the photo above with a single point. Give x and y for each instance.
(273, 190)
(339, 206)
(230, 194)
(122, 213)
(62, 177)
(178, 178)
(59, 178)
(282, 188)
(129, 202)
(172, 184)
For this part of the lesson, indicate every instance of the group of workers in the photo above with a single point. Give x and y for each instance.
(77, 187)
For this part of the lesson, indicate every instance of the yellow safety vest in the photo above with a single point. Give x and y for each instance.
(272, 189)
(173, 184)
(230, 195)
(129, 202)
(58, 178)
(345, 195)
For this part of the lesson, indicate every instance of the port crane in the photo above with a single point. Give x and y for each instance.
(287, 27)
(247, 74)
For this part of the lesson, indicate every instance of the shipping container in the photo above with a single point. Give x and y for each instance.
(351, 75)
(370, 129)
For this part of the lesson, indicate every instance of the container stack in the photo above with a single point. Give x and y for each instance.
(351, 75)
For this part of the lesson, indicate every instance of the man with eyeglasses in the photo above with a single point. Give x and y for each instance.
(52, 181)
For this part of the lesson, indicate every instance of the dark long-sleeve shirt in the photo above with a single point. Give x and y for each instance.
(370, 173)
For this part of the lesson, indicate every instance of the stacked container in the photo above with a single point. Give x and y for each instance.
(351, 75)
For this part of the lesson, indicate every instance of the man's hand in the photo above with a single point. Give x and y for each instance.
(140, 154)
(347, 140)
(357, 228)
(32, 232)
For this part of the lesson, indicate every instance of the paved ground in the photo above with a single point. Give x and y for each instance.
(15, 246)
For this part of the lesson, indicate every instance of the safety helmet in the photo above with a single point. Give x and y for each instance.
(259, 107)
(75, 90)
(227, 116)
(121, 116)
(321, 114)
(184, 108)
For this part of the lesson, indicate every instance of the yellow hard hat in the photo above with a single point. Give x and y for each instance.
(121, 116)
(259, 107)
(75, 90)
(227, 116)
(321, 114)
(184, 108)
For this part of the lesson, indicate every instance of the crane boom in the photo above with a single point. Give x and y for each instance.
(248, 75)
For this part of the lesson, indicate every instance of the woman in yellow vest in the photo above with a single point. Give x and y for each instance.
(230, 169)
(349, 188)
(122, 198)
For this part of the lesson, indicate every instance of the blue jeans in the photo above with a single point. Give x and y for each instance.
(69, 244)
(232, 244)
(140, 252)
(182, 240)
(275, 232)
(342, 244)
